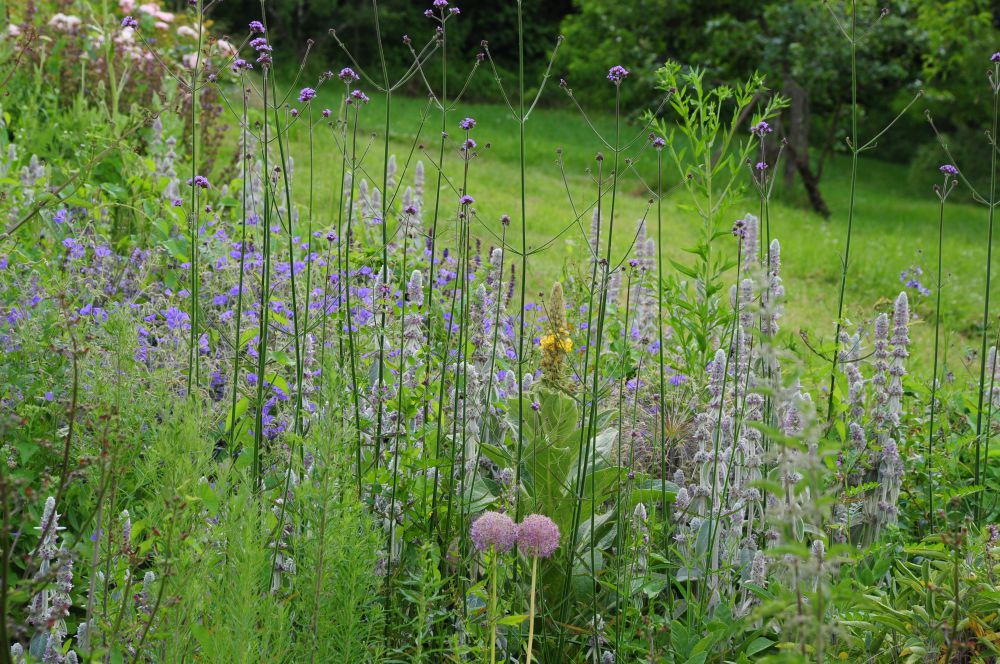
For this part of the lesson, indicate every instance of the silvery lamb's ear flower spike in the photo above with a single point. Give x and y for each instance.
(390, 172)
(418, 185)
(83, 632)
(49, 527)
(595, 240)
(751, 229)
(717, 374)
(897, 368)
(415, 287)
(126, 528)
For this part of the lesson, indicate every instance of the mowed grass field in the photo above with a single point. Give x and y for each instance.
(894, 227)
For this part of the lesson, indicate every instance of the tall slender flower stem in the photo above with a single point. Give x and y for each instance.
(343, 122)
(665, 506)
(346, 278)
(380, 401)
(598, 344)
(714, 518)
(193, 355)
(521, 120)
(584, 411)
(265, 289)
(620, 534)
(429, 295)
(237, 344)
(850, 210)
(942, 195)
(461, 372)
(989, 405)
(531, 608)
(398, 436)
(494, 563)
(309, 251)
(989, 265)
(280, 136)
(493, 353)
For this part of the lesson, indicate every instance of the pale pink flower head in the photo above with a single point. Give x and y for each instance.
(538, 536)
(65, 22)
(126, 6)
(495, 530)
(226, 48)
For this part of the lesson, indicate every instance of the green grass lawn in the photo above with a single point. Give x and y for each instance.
(894, 227)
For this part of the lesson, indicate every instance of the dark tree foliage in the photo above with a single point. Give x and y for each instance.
(296, 21)
(935, 45)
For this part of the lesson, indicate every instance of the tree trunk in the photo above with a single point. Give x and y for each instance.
(797, 135)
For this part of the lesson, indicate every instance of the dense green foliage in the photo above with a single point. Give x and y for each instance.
(298, 369)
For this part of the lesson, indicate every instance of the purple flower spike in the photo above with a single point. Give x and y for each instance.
(440, 4)
(358, 95)
(740, 228)
(467, 124)
(199, 181)
(257, 27)
(995, 57)
(495, 530)
(466, 200)
(659, 143)
(307, 94)
(948, 169)
(617, 74)
(327, 112)
(129, 22)
(538, 536)
(347, 75)
(761, 129)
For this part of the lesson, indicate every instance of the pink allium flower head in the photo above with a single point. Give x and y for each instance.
(538, 536)
(493, 529)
